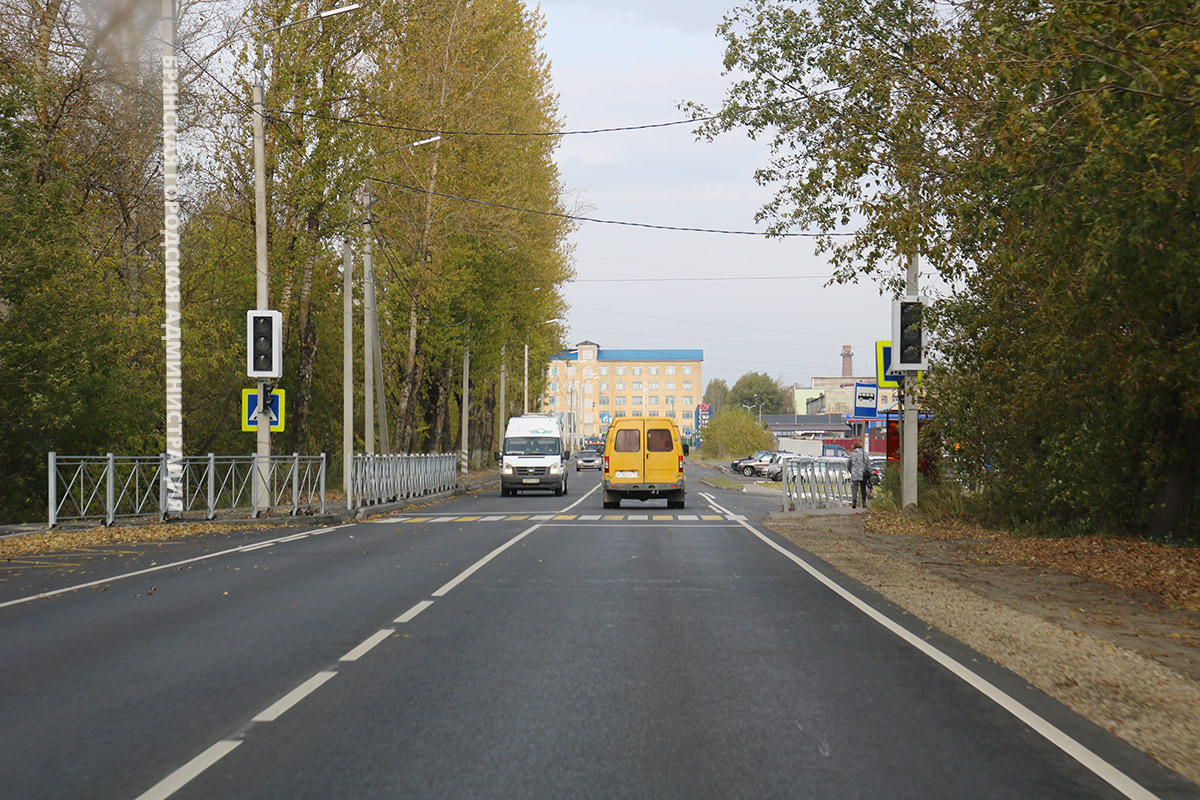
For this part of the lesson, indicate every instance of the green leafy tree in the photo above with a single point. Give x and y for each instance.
(716, 393)
(1040, 157)
(754, 388)
(733, 432)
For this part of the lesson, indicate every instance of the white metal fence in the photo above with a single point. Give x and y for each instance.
(819, 483)
(377, 479)
(114, 487)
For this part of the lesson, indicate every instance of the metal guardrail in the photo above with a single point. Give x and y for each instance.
(377, 479)
(819, 483)
(115, 487)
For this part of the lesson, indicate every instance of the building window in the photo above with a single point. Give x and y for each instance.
(687, 370)
(652, 386)
(636, 370)
(671, 414)
(636, 386)
(637, 400)
(687, 415)
(619, 400)
(687, 400)
(687, 386)
(620, 386)
(670, 399)
(602, 402)
(553, 371)
(604, 370)
(653, 370)
(620, 370)
(670, 386)
(637, 413)
(620, 413)
(653, 400)
(604, 386)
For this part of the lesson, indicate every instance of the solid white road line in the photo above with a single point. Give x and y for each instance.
(408, 616)
(365, 647)
(276, 709)
(180, 777)
(161, 567)
(1101, 768)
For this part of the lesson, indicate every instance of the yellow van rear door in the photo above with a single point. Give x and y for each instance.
(662, 464)
(626, 461)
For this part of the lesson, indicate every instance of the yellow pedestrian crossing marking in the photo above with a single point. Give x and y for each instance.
(577, 518)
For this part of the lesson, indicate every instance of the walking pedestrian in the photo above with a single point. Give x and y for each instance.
(860, 474)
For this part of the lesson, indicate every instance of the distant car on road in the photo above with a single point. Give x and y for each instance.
(588, 459)
(774, 472)
(760, 466)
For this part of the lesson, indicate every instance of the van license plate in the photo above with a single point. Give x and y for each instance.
(627, 474)
(529, 480)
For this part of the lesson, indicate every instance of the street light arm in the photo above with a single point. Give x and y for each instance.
(333, 12)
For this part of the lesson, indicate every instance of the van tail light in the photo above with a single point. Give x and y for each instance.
(681, 463)
(606, 465)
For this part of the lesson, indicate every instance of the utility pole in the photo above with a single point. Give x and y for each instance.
(466, 408)
(908, 432)
(347, 368)
(172, 332)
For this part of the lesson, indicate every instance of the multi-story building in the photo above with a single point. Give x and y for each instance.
(589, 386)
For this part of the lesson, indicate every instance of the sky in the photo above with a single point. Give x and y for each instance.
(752, 304)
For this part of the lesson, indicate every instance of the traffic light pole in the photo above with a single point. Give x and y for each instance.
(908, 430)
(262, 299)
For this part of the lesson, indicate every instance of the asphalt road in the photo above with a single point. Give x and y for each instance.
(535, 646)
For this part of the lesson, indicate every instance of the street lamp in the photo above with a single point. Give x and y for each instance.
(262, 298)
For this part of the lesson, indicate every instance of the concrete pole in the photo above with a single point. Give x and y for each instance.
(908, 433)
(466, 407)
(525, 400)
(347, 366)
(368, 333)
(262, 294)
(172, 479)
(503, 404)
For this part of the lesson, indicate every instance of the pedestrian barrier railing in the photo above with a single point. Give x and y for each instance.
(816, 483)
(376, 479)
(111, 487)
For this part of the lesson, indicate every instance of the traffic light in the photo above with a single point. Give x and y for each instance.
(264, 344)
(908, 335)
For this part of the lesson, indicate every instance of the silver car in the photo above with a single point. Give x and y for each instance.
(588, 459)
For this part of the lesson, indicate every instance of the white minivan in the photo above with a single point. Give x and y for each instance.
(533, 456)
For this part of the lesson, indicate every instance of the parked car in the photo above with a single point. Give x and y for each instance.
(737, 464)
(588, 459)
(760, 466)
(774, 472)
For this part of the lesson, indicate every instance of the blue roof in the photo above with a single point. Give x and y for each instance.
(635, 355)
(650, 355)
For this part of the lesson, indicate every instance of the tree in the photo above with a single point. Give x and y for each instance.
(755, 388)
(734, 432)
(715, 394)
(1039, 156)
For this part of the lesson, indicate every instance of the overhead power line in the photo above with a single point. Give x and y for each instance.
(577, 218)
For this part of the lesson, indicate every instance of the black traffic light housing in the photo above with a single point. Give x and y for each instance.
(264, 344)
(909, 348)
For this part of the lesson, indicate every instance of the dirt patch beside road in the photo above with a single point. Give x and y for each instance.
(1118, 656)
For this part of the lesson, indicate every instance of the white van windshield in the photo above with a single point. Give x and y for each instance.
(532, 446)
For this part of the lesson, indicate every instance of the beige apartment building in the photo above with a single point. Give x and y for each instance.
(590, 386)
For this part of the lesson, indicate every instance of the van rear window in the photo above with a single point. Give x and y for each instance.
(628, 440)
(658, 440)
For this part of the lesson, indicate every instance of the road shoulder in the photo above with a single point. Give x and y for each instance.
(1108, 654)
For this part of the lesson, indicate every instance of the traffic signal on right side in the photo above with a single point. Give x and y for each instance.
(264, 344)
(909, 351)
